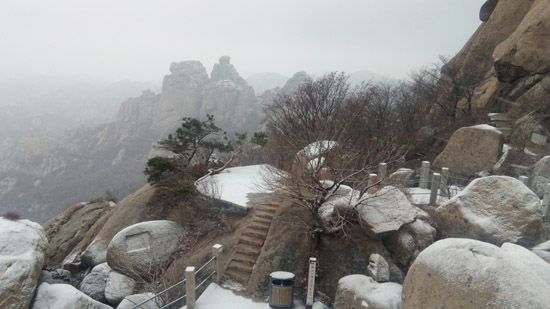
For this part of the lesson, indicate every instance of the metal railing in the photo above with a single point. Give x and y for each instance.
(189, 281)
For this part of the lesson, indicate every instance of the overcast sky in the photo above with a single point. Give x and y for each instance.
(132, 39)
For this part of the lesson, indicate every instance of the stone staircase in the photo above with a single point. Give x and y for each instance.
(251, 241)
(502, 122)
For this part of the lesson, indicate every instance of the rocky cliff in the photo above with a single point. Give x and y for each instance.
(41, 177)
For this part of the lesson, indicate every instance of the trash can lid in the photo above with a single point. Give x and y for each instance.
(282, 275)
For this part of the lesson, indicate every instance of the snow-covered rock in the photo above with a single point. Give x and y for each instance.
(130, 301)
(540, 175)
(543, 250)
(466, 273)
(495, 209)
(360, 291)
(420, 196)
(22, 253)
(94, 283)
(403, 176)
(118, 286)
(386, 210)
(63, 296)
(410, 240)
(378, 268)
(55, 276)
(471, 149)
(234, 184)
(142, 248)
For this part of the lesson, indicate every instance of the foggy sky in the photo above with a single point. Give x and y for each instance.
(117, 39)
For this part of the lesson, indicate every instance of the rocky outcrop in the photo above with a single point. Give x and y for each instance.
(495, 209)
(543, 250)
(66, 230)
(487, 9)
(145, 248)
(130, 301)
(540, 176)
(22, 246)
(293, 83)
(465, 273)
(379, 217)
(378, 269)
(118, 286)
(63, 296)
(359, 291)
(94, 283)
(410, 240)
(471, 149)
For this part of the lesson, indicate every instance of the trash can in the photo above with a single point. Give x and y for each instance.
(281, 289)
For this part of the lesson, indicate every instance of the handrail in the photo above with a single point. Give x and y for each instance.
(160, 293)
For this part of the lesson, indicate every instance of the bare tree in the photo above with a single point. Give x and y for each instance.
(322, 137)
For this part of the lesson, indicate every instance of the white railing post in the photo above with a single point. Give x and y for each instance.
(424, 174)
(190, 286)
(382, 170)
(311, 282)
(524, 179)
(435, 188)
(373, 178)
(216, 251)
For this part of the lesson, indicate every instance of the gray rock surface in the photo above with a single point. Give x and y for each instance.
(495, 209)
(130, 301)
(118, 286)
(487, 9)
(542, 250)
(540, 176)
(142, 249)
(94, 283)
(22, 247)
(378, 268)
(466, 273)
(63, 296)
(360, 291)
(403, 176)
(471, 149)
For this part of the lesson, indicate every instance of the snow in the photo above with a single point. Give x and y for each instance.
(317, 148)
(64, 296)
(234, 184)
(379, 295)
(282, 275)
(217, 297)
(420, 196)
(486, 127)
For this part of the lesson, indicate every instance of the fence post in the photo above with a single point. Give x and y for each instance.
(190, 286)
(435, 188)
(216, 251)
(311, 282)
(444, 186)
(546, 199)
(382, 170)
(424, 174)
(524, 179)
(372, 180)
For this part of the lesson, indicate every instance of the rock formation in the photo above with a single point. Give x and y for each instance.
(63, 296)
(495, 209)
(465, 273)
(359, 291)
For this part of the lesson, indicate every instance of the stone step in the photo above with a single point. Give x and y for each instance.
(259, 226)
(251, 240)
(260, 220)
(244, 266)
(255, 233)
(237, 275)
(268, 210)
(251, 250)
(263, 215)
(499, 117)
(245, 258)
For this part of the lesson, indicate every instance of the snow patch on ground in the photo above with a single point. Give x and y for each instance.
(420, 196)
(486, 127)
(234, 184)
(217, 297)
(317, 148)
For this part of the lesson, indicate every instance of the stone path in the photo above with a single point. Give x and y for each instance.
(252, 240)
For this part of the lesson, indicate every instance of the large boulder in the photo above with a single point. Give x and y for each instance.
(359, 291)
(22, 247)
(378, 268)
(466, 273)
(118, 286)
(66, 230)
(495, 209)
(94, 283)
(386, 211)
(144, 248)
(471, 149)
(410, 240)
(541, 176)
(63, 296)
(130, 301)
(543, 250)
(487, 9)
